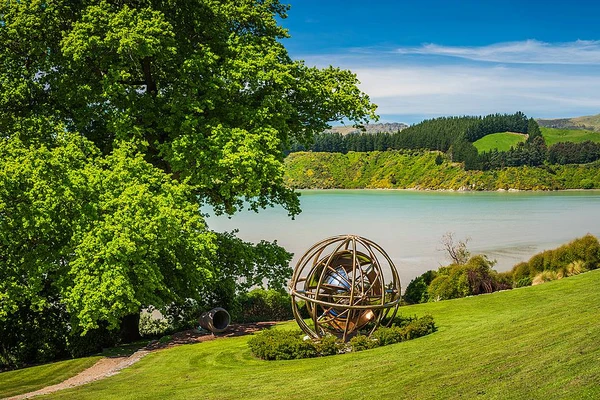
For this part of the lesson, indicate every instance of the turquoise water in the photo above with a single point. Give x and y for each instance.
(409, 225)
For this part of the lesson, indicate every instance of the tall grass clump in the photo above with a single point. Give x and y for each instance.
(580, 255)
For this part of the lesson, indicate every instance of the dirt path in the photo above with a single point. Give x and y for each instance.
(102, 369)
(112, 365)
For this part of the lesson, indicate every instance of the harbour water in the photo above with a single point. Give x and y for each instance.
(509, 227)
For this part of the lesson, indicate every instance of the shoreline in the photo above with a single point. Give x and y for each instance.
(511, 190)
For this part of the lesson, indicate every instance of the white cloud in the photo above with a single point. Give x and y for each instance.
(580, 52)
(455, 90)
(564, 82)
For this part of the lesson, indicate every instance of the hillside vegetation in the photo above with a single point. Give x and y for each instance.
(426, 170)
(530, 343)
(502, 141)
(555, 135)
(491, 142)
(590, 122)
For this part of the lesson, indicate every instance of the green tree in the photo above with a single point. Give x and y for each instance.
(416, 291)
(533, 130)
(474, 277)
(118, 121)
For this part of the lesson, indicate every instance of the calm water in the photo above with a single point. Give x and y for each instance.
(508, 227)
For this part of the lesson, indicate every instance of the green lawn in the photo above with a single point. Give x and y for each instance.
(501, 141)
(34, 378)
(552, 135)
(539, 342)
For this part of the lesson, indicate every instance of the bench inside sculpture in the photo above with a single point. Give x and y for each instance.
(347, 283)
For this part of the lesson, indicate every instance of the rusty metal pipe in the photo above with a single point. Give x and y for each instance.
(215, 320)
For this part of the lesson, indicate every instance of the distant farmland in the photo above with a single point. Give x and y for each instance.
(554, 135)
(502, 141)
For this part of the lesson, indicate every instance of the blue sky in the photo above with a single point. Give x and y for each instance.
(421, 59)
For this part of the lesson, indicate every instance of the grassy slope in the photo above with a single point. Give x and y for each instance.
(589, 121)
(404, 170)
(552, 135)
(34, 378)
(501, 141)
(539, 342)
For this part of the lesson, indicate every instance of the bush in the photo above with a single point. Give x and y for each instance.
(385, 336)
(419, 327)
(165, 339)
(265, 305)
(525, 281)
(92, 342)
(28, 336)
(275, 344)
(473, 278)
(279, 344)
(152, 327)
(416, 291)
(545, 276)
(580, 255)
(329, 346)
(362, 342)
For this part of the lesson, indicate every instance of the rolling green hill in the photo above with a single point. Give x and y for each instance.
(505, 140)
(540, 342)
(500, 141)
(555, 135)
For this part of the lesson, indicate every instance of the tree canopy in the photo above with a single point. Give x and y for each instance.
(118, 121)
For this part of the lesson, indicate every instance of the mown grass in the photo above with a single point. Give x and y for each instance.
(539, 342)
(502, 141)
(554, 135)
(30, 379)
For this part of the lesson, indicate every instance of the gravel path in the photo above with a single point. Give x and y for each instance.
(112, 365)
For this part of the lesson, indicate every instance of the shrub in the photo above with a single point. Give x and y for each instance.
(265, 305)
(473, 278)
(152, 327)
(329, 346)
(385, 336)
(416, 291)
(419, 327)
(525, 281)
(582, 254)
(165, 339)
(28, 336)
(92, 342)
(362, 342)
(275, 344)
(576, 268)
(279, 344)
(545, 276)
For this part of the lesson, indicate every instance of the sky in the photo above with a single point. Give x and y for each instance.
(421, 59)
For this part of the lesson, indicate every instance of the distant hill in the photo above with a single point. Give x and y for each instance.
(389, 127)
(590, 122)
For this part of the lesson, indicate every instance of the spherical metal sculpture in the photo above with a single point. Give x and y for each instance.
(346, 282)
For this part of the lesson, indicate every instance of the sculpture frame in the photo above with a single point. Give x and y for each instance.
(342, 281)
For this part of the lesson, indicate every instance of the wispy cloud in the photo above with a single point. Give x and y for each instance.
(542, 80)
(456, 90)
(580, 52)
